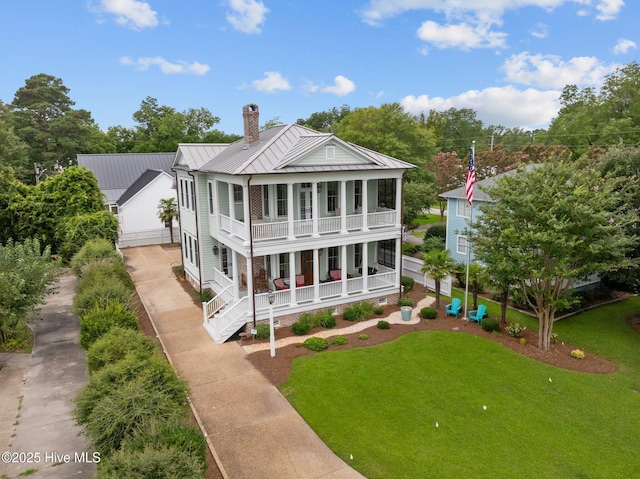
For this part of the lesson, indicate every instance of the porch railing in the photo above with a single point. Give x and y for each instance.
(216, 303)
(229, 321)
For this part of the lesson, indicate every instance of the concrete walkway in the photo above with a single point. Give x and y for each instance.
(253, 432)
(37, 392)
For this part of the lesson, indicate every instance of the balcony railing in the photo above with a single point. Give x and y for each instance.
(264, 230)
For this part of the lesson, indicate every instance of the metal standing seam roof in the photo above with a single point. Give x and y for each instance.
(116, 172)
(197, 154)
(146, 178)
(277, 150)
(478, 193)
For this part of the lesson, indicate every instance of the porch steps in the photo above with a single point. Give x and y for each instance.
(227, 320)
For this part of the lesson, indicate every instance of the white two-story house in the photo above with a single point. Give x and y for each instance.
(303, 214)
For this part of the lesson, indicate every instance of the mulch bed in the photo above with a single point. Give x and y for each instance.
(277, 369)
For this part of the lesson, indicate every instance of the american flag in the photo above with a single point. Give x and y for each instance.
(471, 178)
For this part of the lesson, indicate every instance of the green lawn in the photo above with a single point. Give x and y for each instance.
(381, 405)
(428, 219)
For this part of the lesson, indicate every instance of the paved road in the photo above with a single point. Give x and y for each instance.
(37, 392)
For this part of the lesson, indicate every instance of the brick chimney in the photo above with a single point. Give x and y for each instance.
(251, 117)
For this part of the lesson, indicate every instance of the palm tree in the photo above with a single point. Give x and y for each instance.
(167, 211)
(438, 264)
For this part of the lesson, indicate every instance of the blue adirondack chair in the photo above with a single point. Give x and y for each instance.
(454, 308)
(477, 314)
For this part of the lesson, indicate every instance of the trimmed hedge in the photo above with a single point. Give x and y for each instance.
(99, 321)
(429, 313)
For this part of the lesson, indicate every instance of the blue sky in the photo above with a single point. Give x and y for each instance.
(506, 59)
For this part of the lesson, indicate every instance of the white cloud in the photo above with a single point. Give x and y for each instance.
(540, 31)
(271, 82)
(144, 63)
(462, 35)
(609, 9)
(549, 71)
(342, 86)
(129, 13)
(623, 46)
(505, 106)
(247, 15)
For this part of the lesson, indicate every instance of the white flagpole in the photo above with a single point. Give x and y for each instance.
(466, 285)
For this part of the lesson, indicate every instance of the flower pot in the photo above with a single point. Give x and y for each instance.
(405, 312)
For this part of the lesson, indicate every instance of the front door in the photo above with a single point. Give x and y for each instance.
(305, 201)
(306, 264)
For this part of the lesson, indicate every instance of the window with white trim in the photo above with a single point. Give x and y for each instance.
(461, 244)
(330, 152)
(333, 258)
(463, 209)
(265, 200)
(281, 194)
(210, 191)
(190, 249)
(237, 193)
(283, 264)
(187, 194)
(332, 196)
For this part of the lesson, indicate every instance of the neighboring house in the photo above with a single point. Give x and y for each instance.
(304, 214)
(133, 184)
(459, 213)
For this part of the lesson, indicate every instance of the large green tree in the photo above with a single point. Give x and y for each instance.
(388, 129)
(551, 227)
(44, 119)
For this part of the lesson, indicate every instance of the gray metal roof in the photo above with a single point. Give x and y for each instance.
(478, 193)
(116, 172)
(193, 155)
(277, 151)
(146, 178)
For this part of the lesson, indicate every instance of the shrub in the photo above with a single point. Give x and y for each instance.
(171, 434)
(429, 313)
(152, 373)
(204, 295)
(382, 324)
(438, 230)
(407, 282)
(409, 249)
(363, 337)
(327, 320)
(300, 328)
(104, 271)
(262, 331)
(431, 243)
(405, 302)
(100, 295)
(523, 341)
(577, 353)
(314, 343)
(115, 344)
(128, 407)
(98, 321)
(515, 330)
(490, 324)
(152, 463)
(95, 250)
(359, 311)
(378, 310)
(339, 341)
(80, 228)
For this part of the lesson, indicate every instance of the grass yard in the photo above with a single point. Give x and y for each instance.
(381, 405)
(428, 219)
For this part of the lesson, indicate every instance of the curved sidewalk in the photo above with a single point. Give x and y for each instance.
(251, 428)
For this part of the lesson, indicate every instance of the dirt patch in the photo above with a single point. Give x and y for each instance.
(277, 369)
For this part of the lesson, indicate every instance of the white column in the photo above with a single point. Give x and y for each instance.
(343, 207)
(292, 277)
(247, 214)
(290, 210)
(365, 205)
(234, 273)
(398, 202)
(343, 268)
(316, 275)
(249, 261)
(232, 209)
(365, 267)
(314, 208)
(398, 260)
